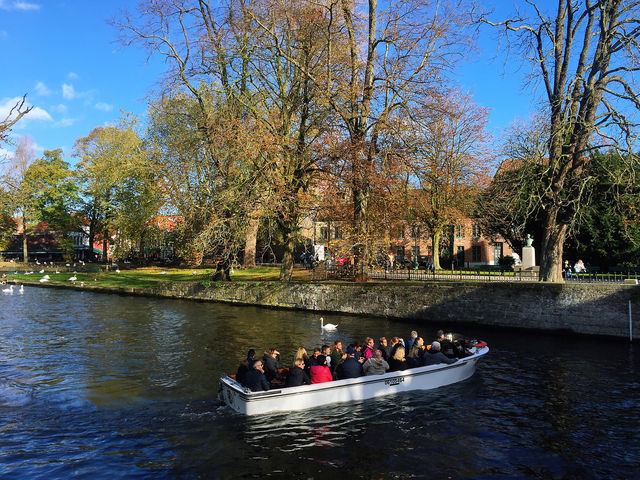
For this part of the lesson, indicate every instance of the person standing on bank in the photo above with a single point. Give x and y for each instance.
(566, 269)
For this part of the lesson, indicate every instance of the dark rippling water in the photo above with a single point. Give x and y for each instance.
(104, 386)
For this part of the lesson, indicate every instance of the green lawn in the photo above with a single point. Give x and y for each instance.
(147, 277)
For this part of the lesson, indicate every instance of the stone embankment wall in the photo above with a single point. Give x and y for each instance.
(589, 309)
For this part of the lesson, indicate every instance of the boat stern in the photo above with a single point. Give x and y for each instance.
(232, 393)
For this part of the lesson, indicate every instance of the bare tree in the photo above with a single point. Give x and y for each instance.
(449, 162)
(511, 206)
(585, 53)
(16, 112)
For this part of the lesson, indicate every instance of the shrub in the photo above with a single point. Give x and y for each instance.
(507, 261)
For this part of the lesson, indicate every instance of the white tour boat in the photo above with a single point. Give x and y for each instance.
(244, 401)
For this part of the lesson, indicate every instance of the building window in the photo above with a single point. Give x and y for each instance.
(460, 256)
(475, 231)
(324, 233)
(459, 231)
(497, 252)
(337, 233)
(476, 253)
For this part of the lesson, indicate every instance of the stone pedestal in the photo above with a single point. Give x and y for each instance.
(528, 257)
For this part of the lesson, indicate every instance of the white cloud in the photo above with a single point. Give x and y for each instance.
(41, 89)
(17, 5)
(73, 75)
(68, 91)
(60, 108)
(26, 6)
(105, 107)
(65, 122)
(36, 114)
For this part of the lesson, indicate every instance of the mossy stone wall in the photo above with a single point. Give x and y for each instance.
(591, 309)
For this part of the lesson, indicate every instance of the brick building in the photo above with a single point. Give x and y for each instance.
(470, 248)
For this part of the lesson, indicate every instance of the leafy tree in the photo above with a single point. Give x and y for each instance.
(53, 196)
(176, 30)
(289, 47)
(605, 230)
(608, 231)
(120, 198)
(208, 186)
(253, 75)
(7, 223)
(18, 192)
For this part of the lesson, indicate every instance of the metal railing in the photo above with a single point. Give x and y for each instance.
(495, 275)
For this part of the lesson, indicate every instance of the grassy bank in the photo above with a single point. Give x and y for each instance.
(137, 277)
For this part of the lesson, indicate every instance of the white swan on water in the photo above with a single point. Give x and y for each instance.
(8, 290)
(21, 289)
(328, 326)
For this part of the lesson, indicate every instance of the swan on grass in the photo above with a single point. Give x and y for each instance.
(328, 326)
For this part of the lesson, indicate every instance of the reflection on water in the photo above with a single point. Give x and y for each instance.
(120, 387)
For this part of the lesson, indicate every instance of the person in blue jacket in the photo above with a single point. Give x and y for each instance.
(434, 356)
(255, 379)
(350, 368)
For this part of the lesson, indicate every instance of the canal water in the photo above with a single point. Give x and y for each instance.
(106, 386)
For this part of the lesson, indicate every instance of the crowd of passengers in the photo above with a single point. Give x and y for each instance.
(327, 364)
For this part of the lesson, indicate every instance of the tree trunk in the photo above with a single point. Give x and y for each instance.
(250, 243)
(360, 211)
(552, 246)
(223, 271)
(25, 249)
(92, 237)
(436, 250)
(286, 269)
(105, 257)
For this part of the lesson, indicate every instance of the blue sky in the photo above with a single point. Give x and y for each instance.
(65, 56)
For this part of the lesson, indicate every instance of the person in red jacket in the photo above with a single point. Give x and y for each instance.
(320, 373)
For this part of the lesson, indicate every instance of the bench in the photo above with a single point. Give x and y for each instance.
(624, 269)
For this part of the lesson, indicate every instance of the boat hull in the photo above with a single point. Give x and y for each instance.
(308, 396)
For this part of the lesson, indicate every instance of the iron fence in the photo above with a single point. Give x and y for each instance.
(495, 275)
